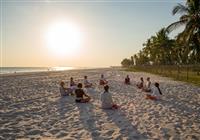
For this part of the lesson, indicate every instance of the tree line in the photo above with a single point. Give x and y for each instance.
(183, 49)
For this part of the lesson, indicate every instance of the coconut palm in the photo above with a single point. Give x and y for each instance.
(190, 18)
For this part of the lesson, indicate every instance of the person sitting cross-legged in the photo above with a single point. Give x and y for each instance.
(87, 84)
(140, 85)
(147, 87)
(156, 93)
(63, 90)
(102, 81)
(106, 99)
(127, 80)
(81, 97)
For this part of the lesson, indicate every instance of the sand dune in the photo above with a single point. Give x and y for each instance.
(30, 107)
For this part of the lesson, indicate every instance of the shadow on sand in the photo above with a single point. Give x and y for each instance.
(92, 122)
(127, 130)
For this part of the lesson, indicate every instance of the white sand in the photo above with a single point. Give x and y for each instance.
(30, 107)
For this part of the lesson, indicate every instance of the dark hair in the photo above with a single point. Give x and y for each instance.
(106, 87)
(141, 78)
(157, 85)
(85, 76)
(62, 83)
(80, 85)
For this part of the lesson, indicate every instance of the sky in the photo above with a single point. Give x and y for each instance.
(110, 30)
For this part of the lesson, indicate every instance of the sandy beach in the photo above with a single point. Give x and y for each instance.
(31, 107)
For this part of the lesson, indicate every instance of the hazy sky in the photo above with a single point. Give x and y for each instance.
(111, 29)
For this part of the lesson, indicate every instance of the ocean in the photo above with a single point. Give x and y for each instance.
(7, 70)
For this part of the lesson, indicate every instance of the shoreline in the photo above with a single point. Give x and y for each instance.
(52, 71)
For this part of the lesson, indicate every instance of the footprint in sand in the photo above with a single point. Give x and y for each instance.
(95, 134)
(34, 132)
(61, 134)
(54, 131)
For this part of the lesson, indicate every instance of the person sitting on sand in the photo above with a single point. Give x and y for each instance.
(140, 85)
(72, 84)
(106, 99)
(147, 87)
(102, 80)
(127, 80)
(87, 84)
(81, 97)
(156, 93)
(63, 90)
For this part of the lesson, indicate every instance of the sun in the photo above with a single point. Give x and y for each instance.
(63, 38)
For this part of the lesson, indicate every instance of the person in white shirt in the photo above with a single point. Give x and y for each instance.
(106, 99)
(147, 87)
(87, 84)
(63, 90)
(156, 94)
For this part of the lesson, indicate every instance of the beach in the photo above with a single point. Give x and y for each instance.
(31, 107)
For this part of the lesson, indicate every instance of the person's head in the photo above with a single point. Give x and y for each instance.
(148, 78)
(102, 75)
(80, 85)
(141, 79)
(85, 77)
(62, 83)
(127, 76)
(106, 88)
(156, 84)
(71, 79)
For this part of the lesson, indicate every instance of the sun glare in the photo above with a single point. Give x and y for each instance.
(63, 38)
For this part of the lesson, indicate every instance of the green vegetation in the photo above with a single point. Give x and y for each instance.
(173, 57)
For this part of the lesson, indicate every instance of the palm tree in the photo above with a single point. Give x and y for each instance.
(190, 18)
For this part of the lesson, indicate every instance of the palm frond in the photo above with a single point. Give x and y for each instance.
(179, 9)
(175, 25)
(187, 34)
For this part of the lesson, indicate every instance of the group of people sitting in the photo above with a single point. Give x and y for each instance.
(153, 94)
(106, 98)
(82, 97)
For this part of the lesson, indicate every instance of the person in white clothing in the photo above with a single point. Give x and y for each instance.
(156, 93)
(106, 99)
(87, 84)
(63, 90)
(147, 87)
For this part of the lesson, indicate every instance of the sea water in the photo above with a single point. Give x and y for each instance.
(6, 70)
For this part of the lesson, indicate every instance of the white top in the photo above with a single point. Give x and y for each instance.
(62, 91)
(86, 82)
(148, 85)
(156, 92)
(106, 100)
(73, 87)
